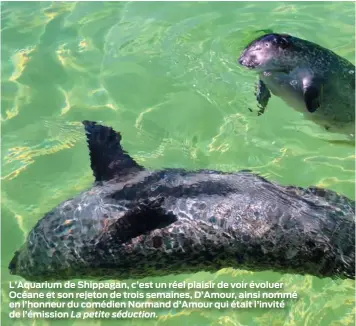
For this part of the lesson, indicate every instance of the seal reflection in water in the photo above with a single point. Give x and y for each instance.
(308, 77)
(135, 223)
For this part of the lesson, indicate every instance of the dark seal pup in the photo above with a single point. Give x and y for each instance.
(135, 223)
(308, 77)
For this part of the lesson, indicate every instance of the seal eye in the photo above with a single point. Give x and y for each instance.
(266, 45)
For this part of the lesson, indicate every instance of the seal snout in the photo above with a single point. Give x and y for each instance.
(247, 61)
(248, 58)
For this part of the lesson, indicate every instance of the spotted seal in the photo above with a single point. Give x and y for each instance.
(135, 222)
(307, 76)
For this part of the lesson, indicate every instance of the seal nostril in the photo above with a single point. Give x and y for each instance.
(241, 61)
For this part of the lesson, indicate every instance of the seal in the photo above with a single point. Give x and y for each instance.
(135, 223)
(311, 79)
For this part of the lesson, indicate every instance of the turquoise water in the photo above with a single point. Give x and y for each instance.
(166, 76)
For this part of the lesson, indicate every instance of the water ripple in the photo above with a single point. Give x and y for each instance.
(165, 74)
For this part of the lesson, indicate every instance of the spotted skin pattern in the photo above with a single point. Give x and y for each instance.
(150, 223)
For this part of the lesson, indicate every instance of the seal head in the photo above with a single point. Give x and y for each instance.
(269, 52)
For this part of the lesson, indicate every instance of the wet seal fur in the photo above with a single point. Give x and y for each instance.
(308, 77)
(135, 223)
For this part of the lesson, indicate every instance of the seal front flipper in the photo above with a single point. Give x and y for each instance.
(262, 95)
(311, 93)
(145, 217)
(108, 159)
